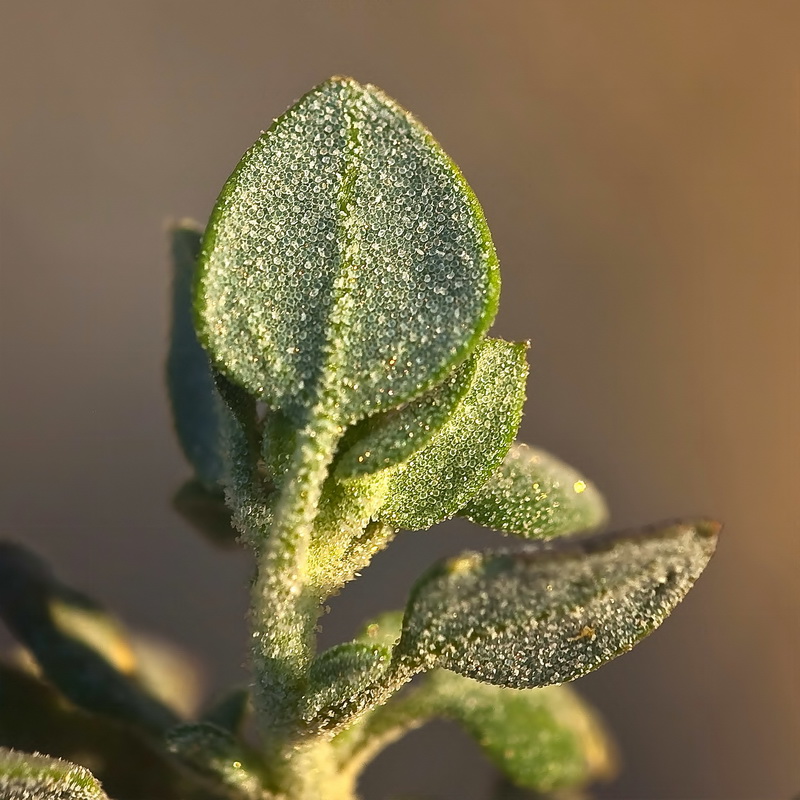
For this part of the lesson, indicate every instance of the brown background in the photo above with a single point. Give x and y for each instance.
(638, 163)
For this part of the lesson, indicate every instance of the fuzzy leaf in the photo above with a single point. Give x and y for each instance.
(535, 495)
(79, 647)
(345, 681)
(438, 480)
(26, 776)
(551, 613)
(390, 438)
(542, 739)
(191, 388)
(346, 262)
(215, 752)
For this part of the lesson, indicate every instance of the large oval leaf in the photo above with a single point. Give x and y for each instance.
(537, 496)
(551, 614)
(347, 261)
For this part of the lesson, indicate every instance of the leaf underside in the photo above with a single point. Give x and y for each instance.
(543, 739)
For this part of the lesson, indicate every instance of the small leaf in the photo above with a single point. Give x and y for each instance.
(345, 681)
(215, 752)
(26, 776)
(391, 437)
(191, 388)
(206, 512)
(438, 480)
(346, 262)
(550, 614)
(535, 495)
(542, 739)
(80, 648)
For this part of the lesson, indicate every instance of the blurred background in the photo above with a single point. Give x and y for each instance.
(639, 166)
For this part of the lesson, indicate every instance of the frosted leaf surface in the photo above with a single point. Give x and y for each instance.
(215, 752)
(542, 739)
(344, 682)
(387, 439)
(438, 480)
(537, 496)
(550, 614)
(346, 261)
(191, 387)
(26, 776)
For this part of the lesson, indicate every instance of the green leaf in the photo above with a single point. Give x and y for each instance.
(550, 614)
(215, 752)
(81, 649)
(345, 681)
(128, 761)
(191, 388)
(542, 739)
(346, 269)
(535, 495)
(25, 775)
(438, 480)
(391, 437)
(346, 262)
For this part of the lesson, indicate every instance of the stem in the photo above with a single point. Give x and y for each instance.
(284, 610)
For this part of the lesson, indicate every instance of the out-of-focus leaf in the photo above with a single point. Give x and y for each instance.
(34, 718)
(389, 438)
(551, 613)
(345, 681)
(346, 261)
(442, 477)
(78, 646)
(25, 776)
(542, 739)
(535, 495)
(229, 711)
(168, 673)
(206, 512)
(216, 753)
(191, 388)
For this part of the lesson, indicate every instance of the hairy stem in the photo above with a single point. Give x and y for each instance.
(284, 609)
